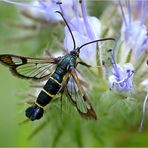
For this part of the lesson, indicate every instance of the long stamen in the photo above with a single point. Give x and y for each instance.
(75, 8)
(123, 15)
(130, 74)
(76, 12)
(113, 60)
(129, 9)
(143, 11)
(87, 26)
(18, 3)
(61, 9)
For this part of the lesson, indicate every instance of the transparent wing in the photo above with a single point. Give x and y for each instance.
(29, 68)
(79, 100)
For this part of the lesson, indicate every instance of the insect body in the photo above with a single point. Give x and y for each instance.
(52, 86)
(38, 69)
(59, 71)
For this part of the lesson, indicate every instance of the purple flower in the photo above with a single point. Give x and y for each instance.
(134, 31)
(84, 29)
(121, 77)
(45, 10)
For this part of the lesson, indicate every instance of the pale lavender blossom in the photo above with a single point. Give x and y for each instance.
(45, 10)
(121, 77)
(84, 29)
(134, 31)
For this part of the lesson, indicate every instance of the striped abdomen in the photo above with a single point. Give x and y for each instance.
(50, 89)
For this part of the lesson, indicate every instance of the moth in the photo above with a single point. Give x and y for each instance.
(59, 71)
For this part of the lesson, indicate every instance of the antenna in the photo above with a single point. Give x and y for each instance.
(99, 40)
(68, 28)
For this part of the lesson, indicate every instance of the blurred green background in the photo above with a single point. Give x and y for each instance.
(118, 119)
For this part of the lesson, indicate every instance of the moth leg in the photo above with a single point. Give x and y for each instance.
(48, 53)
(84, 64)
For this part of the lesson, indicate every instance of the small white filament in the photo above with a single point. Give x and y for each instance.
(143, 112)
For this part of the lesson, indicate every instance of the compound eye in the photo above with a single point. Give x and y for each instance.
(73, 52)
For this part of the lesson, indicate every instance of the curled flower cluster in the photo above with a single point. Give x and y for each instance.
(134, 37)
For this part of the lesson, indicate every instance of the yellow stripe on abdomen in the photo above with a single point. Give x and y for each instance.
(47, 93)
(38, 105)
(55, 81)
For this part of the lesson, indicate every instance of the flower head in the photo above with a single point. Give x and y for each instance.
(45, 10)
(134, 31)
(121, 77)
(84, 29)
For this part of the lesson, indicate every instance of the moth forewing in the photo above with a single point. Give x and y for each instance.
(11, 60)
(15, 60)
(29, 68)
